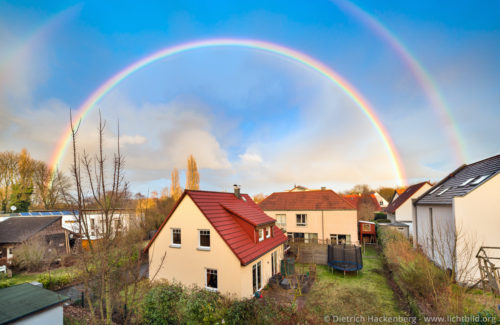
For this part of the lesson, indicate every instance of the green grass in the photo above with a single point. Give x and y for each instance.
(366, 294)
(62, 272)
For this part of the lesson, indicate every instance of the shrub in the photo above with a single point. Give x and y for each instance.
(204, 306)
(383, 221)
(32, 255)
(164, 304)
(380, 215)
(56, 281)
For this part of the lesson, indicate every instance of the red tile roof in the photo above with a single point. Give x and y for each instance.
(222, 210)
(306, 200)
(408, 193)
(354, 199)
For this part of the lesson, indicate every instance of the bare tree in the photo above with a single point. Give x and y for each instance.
(49, 186)
(111, 260)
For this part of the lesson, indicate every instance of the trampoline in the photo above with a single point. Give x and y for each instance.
(345, 257)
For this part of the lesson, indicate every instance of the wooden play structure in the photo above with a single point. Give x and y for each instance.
(489, 271)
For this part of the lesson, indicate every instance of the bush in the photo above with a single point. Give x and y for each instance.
(380, 215)
(204, 306)
(164, 304)
(383, 221)
(32, 255)
(56, 281)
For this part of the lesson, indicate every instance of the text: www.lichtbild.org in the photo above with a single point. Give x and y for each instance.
(406, 319)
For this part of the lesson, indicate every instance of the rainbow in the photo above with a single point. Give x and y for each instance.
(266, 47)
(428, 85)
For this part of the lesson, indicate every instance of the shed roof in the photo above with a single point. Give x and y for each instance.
(25, 299)
(305, 201)
(222, 210)
(403, 197)
(460, 182)
(18, 229)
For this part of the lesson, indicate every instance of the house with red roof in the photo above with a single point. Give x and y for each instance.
(217, 240)
(313, 215)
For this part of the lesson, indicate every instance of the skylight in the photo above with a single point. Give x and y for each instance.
(467, 181)
(434, 190)
(443, 191)
(480, 179)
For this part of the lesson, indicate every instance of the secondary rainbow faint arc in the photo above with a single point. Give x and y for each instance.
(424, 79)
(282, 51)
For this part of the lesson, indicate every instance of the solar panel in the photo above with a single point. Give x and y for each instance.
(46, 213)
(25, 214)
(35, 213)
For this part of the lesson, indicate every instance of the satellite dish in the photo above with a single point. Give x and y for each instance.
(13, 208)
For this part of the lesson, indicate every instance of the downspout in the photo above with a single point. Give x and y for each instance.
(415, 224)
(322, 225)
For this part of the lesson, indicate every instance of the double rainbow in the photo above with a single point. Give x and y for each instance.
(265, 47)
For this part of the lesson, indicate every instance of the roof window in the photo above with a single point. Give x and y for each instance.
(443, 191)
(467, 181)
(434, 190)
(479, 179)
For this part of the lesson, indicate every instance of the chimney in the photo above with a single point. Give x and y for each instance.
(237, 191)
(323, 188)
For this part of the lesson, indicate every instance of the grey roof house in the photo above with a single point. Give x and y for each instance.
(458, 215)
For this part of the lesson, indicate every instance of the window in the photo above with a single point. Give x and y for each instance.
(211, 279)
(480, 179)
(302, 220)
(176, 237)
(434, 190)
(443, 191)
(467, 181)
(339, 239)
(281, 220)
(268, 232)
(118, 225)
(261, 234)
(257, 276)
(92, 224)
(11, 251)
(366, 227)
(204, 239)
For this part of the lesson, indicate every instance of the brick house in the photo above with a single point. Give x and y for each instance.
(16, 230)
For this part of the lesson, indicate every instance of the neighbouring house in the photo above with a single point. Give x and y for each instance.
(16, 230)
(458, 215)
(397, 192)
(381, 201)
(401, 208)
(313, 216)
(29, 304)
(219, 241)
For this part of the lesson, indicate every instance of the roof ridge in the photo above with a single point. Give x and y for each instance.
(483, 160)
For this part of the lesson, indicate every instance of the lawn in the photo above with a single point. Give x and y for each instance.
(59, 277)
(364, 294)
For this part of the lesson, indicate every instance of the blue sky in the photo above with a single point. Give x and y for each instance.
(249, 117)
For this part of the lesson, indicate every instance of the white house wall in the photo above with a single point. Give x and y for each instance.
(478, 221)
(436, 237)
